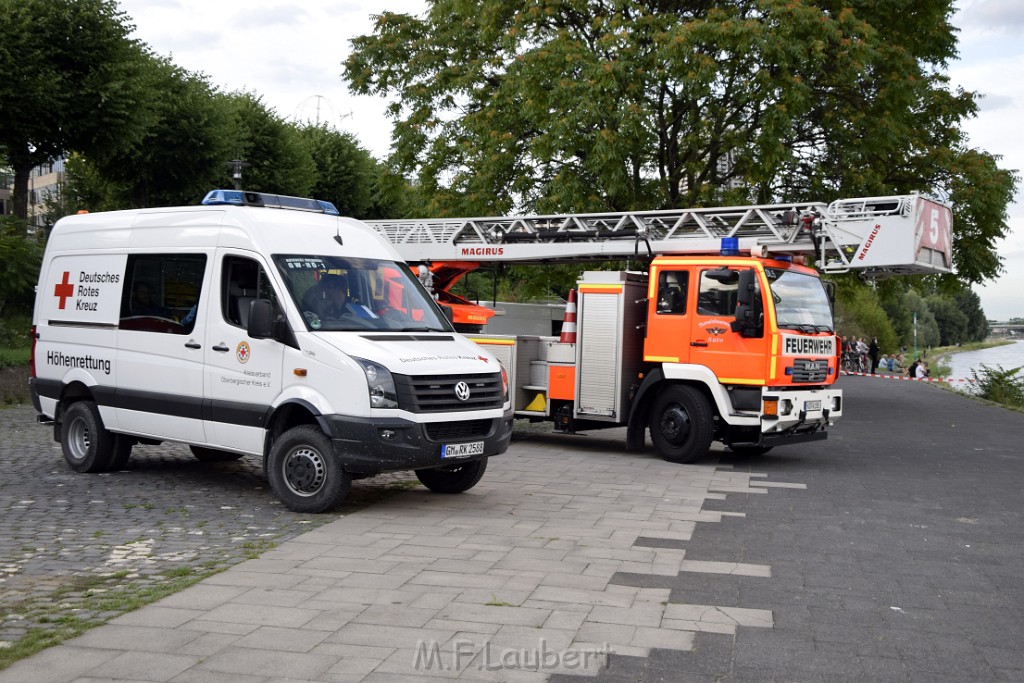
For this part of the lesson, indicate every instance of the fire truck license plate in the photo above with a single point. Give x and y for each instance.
(462, 450)
(812, 406)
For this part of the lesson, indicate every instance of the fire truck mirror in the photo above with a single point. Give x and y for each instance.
(749, 311)
(723, 275)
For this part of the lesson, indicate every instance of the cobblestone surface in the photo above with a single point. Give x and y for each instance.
(67, 539)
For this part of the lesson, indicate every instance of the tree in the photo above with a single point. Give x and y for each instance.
(184, 147)
(71, 81)
(951, 320)
(576, 105)
(276, 160)
(345, 172)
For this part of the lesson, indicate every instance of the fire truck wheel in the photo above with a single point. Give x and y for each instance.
(453, 479)
(86, 443)
(681, 424)
(304, 473)
(203, 454)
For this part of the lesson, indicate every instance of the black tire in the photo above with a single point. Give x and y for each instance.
(122, 452)
(454, 478)
(304, 473)
(86, 443)
(203, 454)
(681, 424)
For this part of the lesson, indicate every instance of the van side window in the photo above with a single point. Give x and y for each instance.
(161, 292)
(716, 297)
(672, 288)
(243, 281)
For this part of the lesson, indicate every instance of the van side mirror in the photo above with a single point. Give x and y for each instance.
(449, 313)
(261, 319)
(749, 310)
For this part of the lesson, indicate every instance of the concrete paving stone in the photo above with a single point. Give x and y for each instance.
(698, 626)
(204, 626)
(593, 632)
(267, 663)
(461, 566)
(201, 596)
(199, 676)
(262, 615)
(329, 621)
(667, 639)
(464, 629)
(135, 638)
(481, 596)
(361, 580)
(283, 639)
(457, 611)
(566, 619)
(395, 615)
(273, 597)
(349, 564)
(647, 615)
(734, 568)
(57, 665)
(158, 616)
(263, 565)
(584, 597)
(357, 552)
(342, 650)
(145, 666)
(355, 666)
(246, 579)
(206, 644)
(564, 580)
(432, 578)
(391, 636)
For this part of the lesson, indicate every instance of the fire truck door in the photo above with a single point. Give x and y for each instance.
(735, 359)
(669, 317)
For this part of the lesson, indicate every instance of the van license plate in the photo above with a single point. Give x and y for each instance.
(462, 450)
(812, 406)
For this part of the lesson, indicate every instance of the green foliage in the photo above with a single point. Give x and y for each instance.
(20, 257)
(859, 314)
(345, 172)
(277, 160)
(73, 80)
(184, 147)
(1000, 385)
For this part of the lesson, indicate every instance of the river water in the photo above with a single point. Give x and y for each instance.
(1008, 356)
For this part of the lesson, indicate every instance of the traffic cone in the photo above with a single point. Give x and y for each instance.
(568, 335)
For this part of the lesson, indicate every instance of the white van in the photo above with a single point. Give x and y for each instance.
(263, 325)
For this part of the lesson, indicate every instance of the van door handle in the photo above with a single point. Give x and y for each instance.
(192, 345)
(698, 343)
(221, 348)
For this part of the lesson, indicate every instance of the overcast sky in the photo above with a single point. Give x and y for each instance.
(290, 52)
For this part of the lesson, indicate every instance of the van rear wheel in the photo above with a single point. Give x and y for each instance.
(454, 478)
(86, 443)
(304, 473)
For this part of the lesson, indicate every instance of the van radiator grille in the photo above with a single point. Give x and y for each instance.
(456, 431)
(806, 371)
(436, 393)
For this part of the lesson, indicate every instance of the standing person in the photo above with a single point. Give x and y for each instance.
(873, 354)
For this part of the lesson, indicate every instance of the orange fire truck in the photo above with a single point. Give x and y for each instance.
(725, 334)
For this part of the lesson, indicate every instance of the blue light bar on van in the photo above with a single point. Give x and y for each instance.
(274, 201)
(730, 246)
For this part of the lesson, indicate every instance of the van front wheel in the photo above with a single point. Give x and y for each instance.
(304, 473)
(454, 478)
(86, 443)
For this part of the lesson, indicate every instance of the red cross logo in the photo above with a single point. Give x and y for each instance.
(64, 290)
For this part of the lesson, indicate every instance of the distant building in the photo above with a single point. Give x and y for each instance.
(44, 182)
(6, 183)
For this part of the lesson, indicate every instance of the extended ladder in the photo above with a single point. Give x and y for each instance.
(904, 234)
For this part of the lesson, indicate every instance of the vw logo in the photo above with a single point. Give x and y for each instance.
(462, 391)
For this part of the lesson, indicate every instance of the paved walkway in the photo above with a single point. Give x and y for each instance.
(512, 581)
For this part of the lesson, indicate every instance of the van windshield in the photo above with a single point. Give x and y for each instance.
(800, 301)
(336, 293)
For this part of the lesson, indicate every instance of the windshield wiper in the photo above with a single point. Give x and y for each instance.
(802, 327)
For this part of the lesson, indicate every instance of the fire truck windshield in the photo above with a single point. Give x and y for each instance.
(800, 301)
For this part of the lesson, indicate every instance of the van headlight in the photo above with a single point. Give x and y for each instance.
(380, 384)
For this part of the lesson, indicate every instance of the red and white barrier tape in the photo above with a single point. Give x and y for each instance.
(949, 380)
